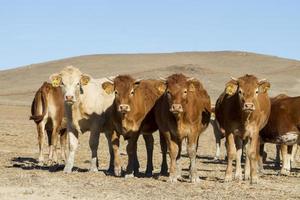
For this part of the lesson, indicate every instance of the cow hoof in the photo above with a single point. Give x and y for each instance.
(67, 170)
(110, 171)
(118, 171)
(195, 179)
(40, 164)
(216, 159)
(93, 169)
(164, 172)
(254, 180)
(238, 177)
(284, 172)
(173, 179)
(129, 175)
(228, 179)
(148, 174)
(247, 177)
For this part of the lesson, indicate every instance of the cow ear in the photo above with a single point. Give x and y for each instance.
(108, 87)
(55, 80)
(161, 86)
(85, 79)
(231, 87)
(263, 86)
(137, 82)
(193, 84)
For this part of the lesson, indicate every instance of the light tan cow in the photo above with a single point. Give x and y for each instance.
(85, 104)
(47, 111)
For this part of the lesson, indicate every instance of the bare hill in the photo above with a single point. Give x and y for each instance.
(17, 86)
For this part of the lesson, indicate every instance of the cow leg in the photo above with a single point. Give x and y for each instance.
(41, 139)
(178, 160)
(217, 135)
(53, 145)
(149, 140)
(108, 136)
(94, 143)
(163, 146)
(63, 144)
(192, 151)
(277, 159)
(284, 154)
(231, 152)
(173, 152)
(217, 155)
(239, 151)
(132, 166)
(115, 141)
(286, 157)
(294, 152)
(261, 158)
(73, 145)
(251, 157)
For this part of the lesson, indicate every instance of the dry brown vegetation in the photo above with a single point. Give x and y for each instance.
(21, 178)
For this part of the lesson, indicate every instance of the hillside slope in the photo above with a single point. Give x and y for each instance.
(214, 69)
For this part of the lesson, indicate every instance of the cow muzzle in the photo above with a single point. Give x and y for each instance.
(69, 99)
(124, 108)
(249, 107)
(176, 108)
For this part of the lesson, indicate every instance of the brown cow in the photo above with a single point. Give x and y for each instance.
(182, 112)
(131, 115)
(242, 110)
(47, 111)
(283, 127)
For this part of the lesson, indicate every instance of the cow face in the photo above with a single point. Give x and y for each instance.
(178, 89)
(71, 80)
(248, 89)
(124, 88)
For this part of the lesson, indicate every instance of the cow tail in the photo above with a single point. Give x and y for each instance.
(40, 98)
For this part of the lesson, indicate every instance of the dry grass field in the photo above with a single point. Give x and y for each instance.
(22, 178)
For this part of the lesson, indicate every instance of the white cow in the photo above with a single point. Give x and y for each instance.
(85, 103)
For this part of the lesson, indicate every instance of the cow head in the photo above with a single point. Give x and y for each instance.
(71, 80)
(179, 87)
(248, 88)
(124, 87)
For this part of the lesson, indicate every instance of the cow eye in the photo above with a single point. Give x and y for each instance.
(185, 91)
(168, 93)
(131, 92)
(240, 92)
(256, 91)
(116, 92)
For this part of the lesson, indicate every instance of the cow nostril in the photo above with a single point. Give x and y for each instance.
(69, 98)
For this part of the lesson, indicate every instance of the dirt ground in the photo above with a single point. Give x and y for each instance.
(22, 178)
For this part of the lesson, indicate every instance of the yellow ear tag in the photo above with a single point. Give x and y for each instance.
(56, 82)
(84, 80)
(266, 89)
(230, 90)
(162, 88)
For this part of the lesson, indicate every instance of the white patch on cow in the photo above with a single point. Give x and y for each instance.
(289, 138)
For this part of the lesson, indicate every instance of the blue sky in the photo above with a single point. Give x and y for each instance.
(37, 31)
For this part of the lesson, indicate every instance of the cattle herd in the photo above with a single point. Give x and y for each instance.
(178, 107)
